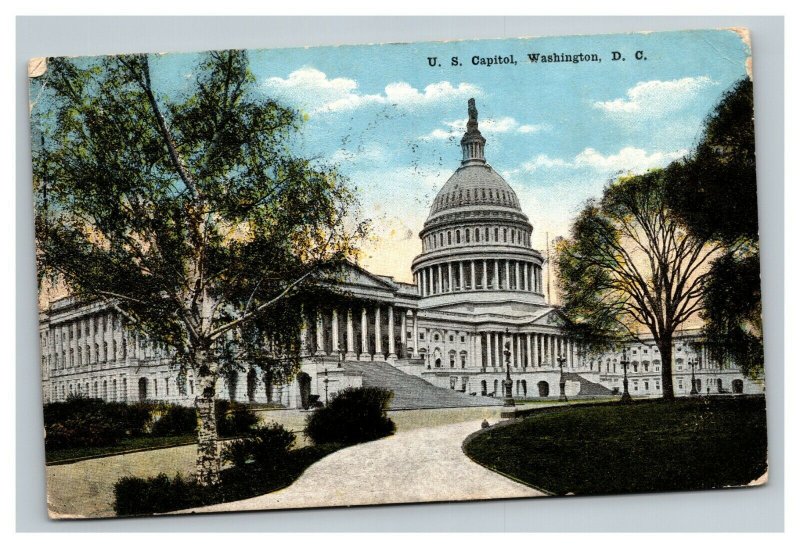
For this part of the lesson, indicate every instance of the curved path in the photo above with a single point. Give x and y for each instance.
(421, 465)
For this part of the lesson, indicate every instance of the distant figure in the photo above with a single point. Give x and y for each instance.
(485, 424)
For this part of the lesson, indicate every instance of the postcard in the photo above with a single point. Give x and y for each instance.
(398, 273)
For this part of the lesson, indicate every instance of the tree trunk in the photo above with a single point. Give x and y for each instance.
(207, 468)
(665, 348)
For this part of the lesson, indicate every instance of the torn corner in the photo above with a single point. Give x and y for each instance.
(762, 480)
(37, 66)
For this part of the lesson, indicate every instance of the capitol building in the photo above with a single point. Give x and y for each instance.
(476, 304)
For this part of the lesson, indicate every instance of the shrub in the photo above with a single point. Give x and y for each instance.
(267, 447)
(176, 420)
(91, 422)
(137, 496)
(233, 418)
(354, 415)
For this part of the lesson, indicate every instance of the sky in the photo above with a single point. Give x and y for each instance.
(557, 132)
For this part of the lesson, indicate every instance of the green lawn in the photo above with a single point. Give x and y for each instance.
(129, 444)
(647, 446)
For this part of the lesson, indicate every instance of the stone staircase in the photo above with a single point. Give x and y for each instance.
(588, 388)
(411, 392)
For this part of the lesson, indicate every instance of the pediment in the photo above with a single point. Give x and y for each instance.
(550, 318)
(354, 275)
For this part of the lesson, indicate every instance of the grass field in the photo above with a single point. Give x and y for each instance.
(647, 446)
(130, 444)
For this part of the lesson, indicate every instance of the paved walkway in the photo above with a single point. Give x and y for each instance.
(420, 465)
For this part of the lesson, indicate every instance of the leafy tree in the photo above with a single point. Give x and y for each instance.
(185, 210)
(715, 195)
(628, 263)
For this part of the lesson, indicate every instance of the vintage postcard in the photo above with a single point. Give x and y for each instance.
(398, 273)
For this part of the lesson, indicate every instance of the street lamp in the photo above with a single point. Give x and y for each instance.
(562, 383)
(692, 363)
(509, 406)
(326, 381)
(626, 396)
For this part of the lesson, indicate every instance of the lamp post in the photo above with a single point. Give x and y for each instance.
(693, 391)
(326, 381)
(626, 396)
(562, 383)
(509, 406)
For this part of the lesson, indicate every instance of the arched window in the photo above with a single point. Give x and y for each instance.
(477, 234)
(458, 236)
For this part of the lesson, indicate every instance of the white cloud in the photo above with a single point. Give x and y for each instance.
(506, 124)
(628, 159)
(544, 161)
(656, 97)
(317, 93)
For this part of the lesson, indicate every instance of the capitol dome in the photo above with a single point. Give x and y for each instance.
(475, 185)
(476, 237)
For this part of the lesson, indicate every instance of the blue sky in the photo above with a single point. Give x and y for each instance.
(557, 132)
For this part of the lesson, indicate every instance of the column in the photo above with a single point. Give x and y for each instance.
(488, 349)
(478, 355)
(529, 356)
(351, 353)
(524, 276)
(496, 274)
(535, 350)
(403, 331)
(303, 335)
(320, 337)
(335, 332)
(517, 284)
(378, 338)
(569, 354)
(364, 336)
(520, 361)
(531, 274)
(461, 275)
(450, 277)
(485, 277)
(415, 334)
(441, 279)
(508, 274)
(392, 353)
(498, 350)
(472, 274)
(424, 282)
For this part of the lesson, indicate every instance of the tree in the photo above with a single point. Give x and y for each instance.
(715, 196)
(629, 263)
(189, 214)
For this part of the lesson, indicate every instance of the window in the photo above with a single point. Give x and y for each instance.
(462, 338)
(449, 238)
(421, 336)
(466, 234)
(452, 338)
(436, 337)
(505, 235)
(496, 234)
(458, 236)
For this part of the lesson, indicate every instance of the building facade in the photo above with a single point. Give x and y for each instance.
(477, 301)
